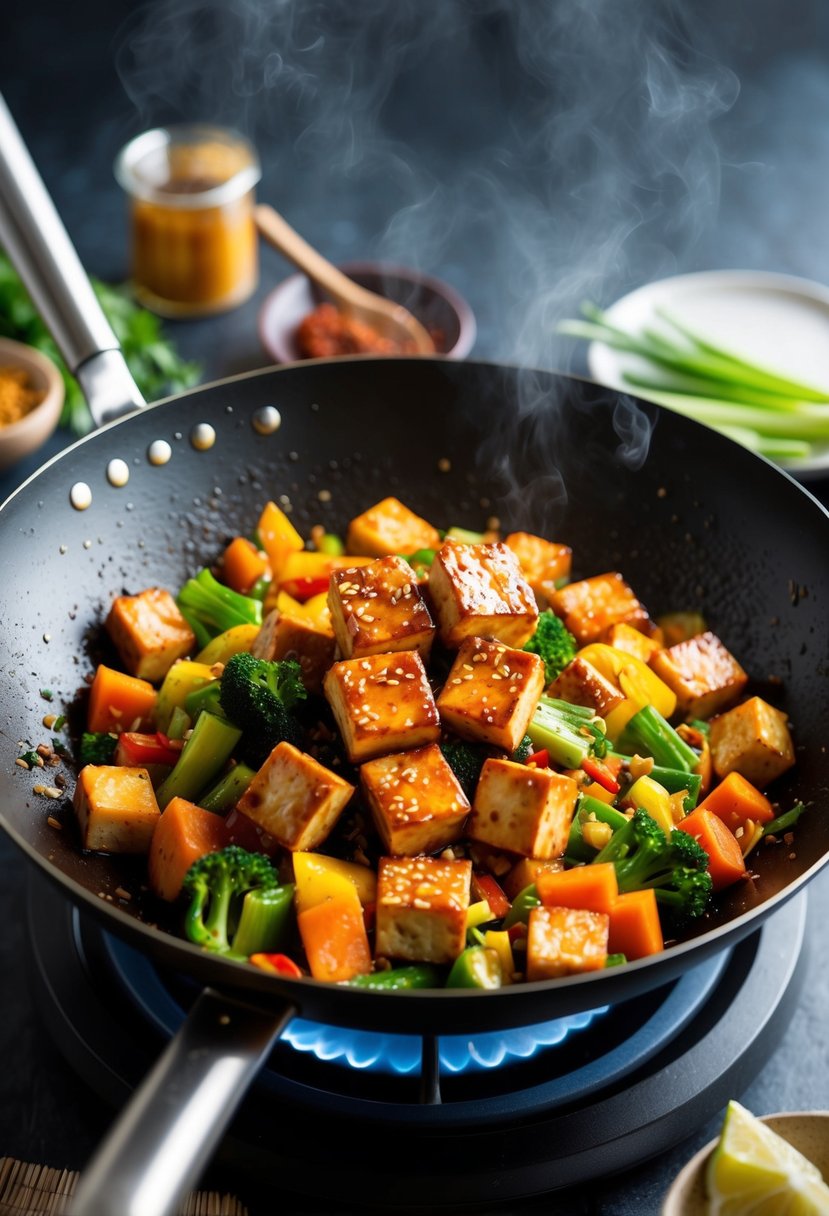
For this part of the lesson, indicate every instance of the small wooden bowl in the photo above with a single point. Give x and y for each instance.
(807, 1131)
(19, 439)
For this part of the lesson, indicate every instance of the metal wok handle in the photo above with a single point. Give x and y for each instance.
(158, 1147)
(35, 239)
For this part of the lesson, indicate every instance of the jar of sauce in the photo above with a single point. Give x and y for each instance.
(193, 241)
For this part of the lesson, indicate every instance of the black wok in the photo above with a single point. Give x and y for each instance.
(693, 521)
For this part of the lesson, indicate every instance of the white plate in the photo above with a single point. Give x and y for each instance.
(778, 321)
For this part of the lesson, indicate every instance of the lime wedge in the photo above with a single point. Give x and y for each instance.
(754, 1172)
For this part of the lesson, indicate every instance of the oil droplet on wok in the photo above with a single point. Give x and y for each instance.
(202, 436)
(159, 452)
(267, 420)
(118, 473)
(80, 496)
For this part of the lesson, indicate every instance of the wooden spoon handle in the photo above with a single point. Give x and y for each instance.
(279, 233)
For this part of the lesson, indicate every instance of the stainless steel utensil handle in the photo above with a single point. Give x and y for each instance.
(35, 239)
(161, 1142)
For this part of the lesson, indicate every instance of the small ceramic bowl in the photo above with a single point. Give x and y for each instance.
(435, 304)
(807, 1131)
(19, 439)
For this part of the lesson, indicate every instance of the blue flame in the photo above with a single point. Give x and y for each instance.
(401, 1053)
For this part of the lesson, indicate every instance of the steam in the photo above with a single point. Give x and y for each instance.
(569, 146)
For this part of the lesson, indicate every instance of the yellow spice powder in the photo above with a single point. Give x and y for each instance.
(17, 397)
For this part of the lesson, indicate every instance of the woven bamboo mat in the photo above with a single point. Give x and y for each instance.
(39, 1190)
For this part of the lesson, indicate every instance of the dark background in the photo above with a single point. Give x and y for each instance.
(531, 154)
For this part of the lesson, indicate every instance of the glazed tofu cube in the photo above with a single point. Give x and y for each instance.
(633, 641)
(149, 633)
(382, 703)
(295, 799)
(752, 739)
(523, 810)
(479, 591)
(283, 636)
(565, 941)
(116, 808)
(524, 873)
(421, 908)
(704, 675)
(589, 608)
(543, 563)
(491, 693)
(378, 609)
(416, 801)
(581, 683)
(390, 527)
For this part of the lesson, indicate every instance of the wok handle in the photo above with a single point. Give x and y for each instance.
(163, 1139)
(35, 239)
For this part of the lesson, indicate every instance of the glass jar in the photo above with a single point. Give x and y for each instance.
(193, 240)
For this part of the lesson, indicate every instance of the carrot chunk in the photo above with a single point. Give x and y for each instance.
(119, 702)
(184, 833)
(592, 888)
(735, 800)
(335, 940)
(243, 564)
(725, 858)
(635, 930)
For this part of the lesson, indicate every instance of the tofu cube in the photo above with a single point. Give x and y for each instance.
(479, 591)
(565, 941)
(116, 808)
(284, 636)
(491, 693)
(524, 873)
(295, 799)
(378, 609)
(543, 563)
(704, 675)
(523, 810)
(390, 527)
(421, 909)
(382, 703)
(752, 739)
(416, 801)
(589, 607)
(581, 683)
(149, 633)
(624, 637)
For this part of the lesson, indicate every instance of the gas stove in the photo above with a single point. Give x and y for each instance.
(450, 1123)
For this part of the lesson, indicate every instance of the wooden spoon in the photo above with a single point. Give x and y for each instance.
(388, 319)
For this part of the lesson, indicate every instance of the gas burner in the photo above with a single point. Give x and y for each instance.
(544, 1107)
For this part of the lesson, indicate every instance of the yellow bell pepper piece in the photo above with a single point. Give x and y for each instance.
(653, 798)
(279, 537)
(318, 878)
(635, 679)
(288, 606)
(184, 677)
(498, 940)
(317, 609)
(478, 914)
(223, 647)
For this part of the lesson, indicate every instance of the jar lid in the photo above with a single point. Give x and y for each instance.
(188, 166)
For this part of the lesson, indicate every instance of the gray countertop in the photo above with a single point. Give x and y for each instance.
(531, 155)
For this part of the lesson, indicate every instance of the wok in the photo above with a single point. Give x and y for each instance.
(692, 520)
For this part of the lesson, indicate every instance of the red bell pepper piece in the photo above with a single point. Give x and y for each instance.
(304, 588)
(601, 774)
(243, 831)
(486, 887)
(277, 964)
(369, 916)
(541, 758)
(135, 749)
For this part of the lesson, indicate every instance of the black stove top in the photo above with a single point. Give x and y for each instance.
(484, 1121)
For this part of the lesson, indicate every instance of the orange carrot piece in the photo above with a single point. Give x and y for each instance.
(725, 858)
(335, 940)
(243, 564)
(119, 702)
(184, 833)
(592, 888)
(735, 800)
(635, 930)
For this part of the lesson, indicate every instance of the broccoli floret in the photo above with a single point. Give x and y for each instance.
(96, 748)
(218, 884)
(674, 865)
(466, 761)
(210, 608)
(258, 696)
(524, 750)
(553, 643)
